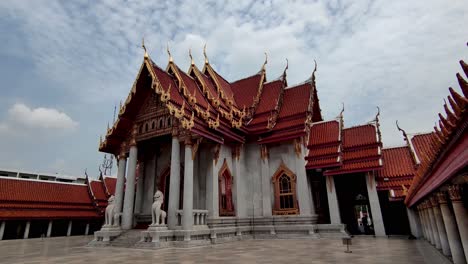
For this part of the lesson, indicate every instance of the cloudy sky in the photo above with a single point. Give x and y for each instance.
(65, 64)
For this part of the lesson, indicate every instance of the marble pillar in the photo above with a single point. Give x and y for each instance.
(174, 184)
(435, 231)
(428, 223)
(461, 215)
(304, 195)
(127, 214)
(212, 184)
(266, 185)
(374, 203)
(187, 217)
(423, 224)
(139, 189)
(334, 209)
(2, 229)
(26, 230)
(440, 226)
(86, 232)
(456, 248)
(49, 228)
(238, 192)
(414, 221)
(119, 186)
(69, 229)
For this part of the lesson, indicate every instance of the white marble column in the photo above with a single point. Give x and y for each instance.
(69, 230)
(139, 190)
(174, 184)
(374, 203)
(119, 186)
(422, 216)
(187, 217)
(430, 231)
(86, 232)
(238, 192)
(461, 215)
(212, 184)
(456, 248)
(414, 221)
(49, 228)
(304, 195)
(435, 231)
(440, 227)
(127, 214)
(2, 229)
(266, 186)
(26, 230)
(333, 207)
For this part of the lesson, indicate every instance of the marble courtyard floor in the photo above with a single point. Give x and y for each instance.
(365, 250)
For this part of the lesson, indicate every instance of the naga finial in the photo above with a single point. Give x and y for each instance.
(266, 61)
(342, 111)
(191, 58)
(204, 54)
(169, 52)
(144, 47)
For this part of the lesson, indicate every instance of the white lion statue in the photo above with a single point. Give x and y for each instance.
(110, 212)
(158, 215)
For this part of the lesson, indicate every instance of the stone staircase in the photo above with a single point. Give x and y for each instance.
(127, 239)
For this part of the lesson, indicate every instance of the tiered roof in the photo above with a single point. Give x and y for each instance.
(36, 199)
(206, 104)
(446, 152)
(344, 150)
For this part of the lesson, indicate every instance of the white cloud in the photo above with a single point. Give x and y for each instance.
(42, 118)
(400, 55)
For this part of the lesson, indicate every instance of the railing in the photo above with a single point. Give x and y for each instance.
(199, 217)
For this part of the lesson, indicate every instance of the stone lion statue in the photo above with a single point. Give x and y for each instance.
(110, 212)
(158, 215)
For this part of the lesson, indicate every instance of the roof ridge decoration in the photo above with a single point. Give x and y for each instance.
(169, 53)
(144, 48)
(410, 145)
(447, 129)
(274, 114)
(340, 117)
(256, 100)
(310, 107)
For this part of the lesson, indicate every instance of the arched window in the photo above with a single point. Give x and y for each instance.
(160, 123)
(284, 181)
(226, 207)
(153, 125)
(168, 121)
(146, 127)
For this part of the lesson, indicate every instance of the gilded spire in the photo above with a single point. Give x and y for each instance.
(340, 115)
(169, 53)
(144, 47)
(204, 54)
(191, 58)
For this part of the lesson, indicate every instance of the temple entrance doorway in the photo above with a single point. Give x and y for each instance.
(354, 205)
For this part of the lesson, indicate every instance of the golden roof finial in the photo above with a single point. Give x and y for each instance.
(190, 55)
(144, 47)
(169, 52)
(342, 111)
(266, 61)
(204, 54)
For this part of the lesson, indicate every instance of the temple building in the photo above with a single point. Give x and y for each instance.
(36, 205)
(252, 157)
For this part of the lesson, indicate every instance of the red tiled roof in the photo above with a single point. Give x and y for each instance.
(383, 184)
(41, 199)
(295, 101)
(110, 184)
(359, 136)
(245, 90)
(397, 162)
(324, 144)
(360, 150)
(324, 133)
(98, 190)
(422, 144)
